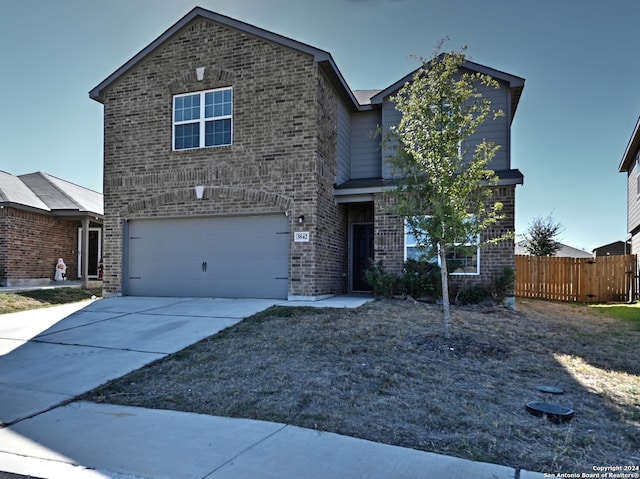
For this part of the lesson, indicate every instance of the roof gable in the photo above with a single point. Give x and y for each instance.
(322, 57)
(516, 84)
(357, 100)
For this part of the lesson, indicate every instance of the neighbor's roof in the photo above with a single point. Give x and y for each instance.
(359, 99)
(565, 251)
(45, 192)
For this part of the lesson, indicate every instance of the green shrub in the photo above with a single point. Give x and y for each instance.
(421, 279)
(503, 284)
(471, 294)
(383, 284)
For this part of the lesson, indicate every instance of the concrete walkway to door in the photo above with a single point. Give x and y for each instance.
(50, 356)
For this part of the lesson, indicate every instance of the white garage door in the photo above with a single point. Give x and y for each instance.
(231, 257)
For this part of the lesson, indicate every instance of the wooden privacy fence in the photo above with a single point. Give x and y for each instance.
(586, 280)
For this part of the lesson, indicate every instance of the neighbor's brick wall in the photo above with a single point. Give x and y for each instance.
(4, 245)
(30, 245)
(273, 165)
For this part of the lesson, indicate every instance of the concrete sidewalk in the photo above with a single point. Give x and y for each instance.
(87, 440)
(50, 356)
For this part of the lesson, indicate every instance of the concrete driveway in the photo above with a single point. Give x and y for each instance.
(47, 357)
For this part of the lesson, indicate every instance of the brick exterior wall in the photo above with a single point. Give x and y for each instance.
(389, 240)
(332, 228)
(494, 258)
(31, 243)
(283, 157)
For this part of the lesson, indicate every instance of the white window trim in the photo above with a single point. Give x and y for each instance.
(201, 120)
(476, 273)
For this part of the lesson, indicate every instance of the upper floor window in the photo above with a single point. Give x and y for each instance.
(202, 119)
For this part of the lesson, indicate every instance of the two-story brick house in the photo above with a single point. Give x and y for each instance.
(238, 163)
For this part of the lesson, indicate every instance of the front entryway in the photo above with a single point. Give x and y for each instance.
(362, 255)
(95, 252)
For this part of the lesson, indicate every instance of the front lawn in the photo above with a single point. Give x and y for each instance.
(41, 298)
(628, 312)
(383, 372)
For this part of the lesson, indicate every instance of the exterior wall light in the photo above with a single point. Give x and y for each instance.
(199, 191)
(300, 218)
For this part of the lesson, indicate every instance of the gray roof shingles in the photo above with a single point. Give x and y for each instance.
(48, 193)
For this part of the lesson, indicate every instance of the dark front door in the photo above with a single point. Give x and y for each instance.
(362, 255)
(94, 248)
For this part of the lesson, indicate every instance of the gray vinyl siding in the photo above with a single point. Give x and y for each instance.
(343, 172)
(635, 244)
(365, 145)
(633, 197)
(390, 117)
(496, 131)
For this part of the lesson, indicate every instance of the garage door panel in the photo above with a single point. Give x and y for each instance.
(210, 257)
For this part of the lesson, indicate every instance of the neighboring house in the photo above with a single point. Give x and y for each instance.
(617, 248)
(630, 165)
(43, 218)
(564, 251)
(239, 163)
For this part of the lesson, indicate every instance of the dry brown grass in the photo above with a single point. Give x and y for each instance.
(384, 372)
(42, 298)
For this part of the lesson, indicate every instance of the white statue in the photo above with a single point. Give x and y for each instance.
(61, 271)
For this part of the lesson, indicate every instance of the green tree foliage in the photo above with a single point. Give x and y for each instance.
(444, 191)
(540, 238)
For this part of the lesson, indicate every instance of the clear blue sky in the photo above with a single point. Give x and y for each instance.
(580, 103)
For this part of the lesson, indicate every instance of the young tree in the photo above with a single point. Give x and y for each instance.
(540, 238)
(444, 194)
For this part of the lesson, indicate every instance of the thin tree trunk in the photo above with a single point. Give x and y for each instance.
(444, 277)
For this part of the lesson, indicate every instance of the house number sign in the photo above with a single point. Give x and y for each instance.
(301, 237)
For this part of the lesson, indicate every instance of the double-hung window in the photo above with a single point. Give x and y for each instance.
(462, 258)
(203, 119)
(414, 250)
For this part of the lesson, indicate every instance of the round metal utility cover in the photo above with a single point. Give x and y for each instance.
(555, 412)
(550, 389)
